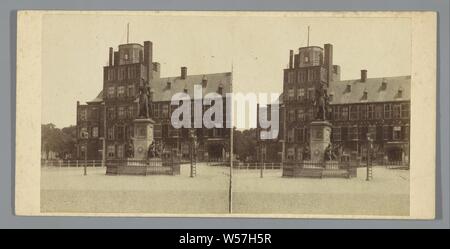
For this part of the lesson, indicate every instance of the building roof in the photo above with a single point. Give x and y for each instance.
(353, 91)
(162, 92)
(97, 99)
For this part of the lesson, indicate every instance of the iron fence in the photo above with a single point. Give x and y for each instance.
(71, 163)
(154, 166)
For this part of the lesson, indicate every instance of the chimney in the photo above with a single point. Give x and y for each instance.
(183, 72)
(111, 51)
(291, 58)
(204, 81)
(363, 75)
(296, 60)
(116, 58)
(328, 60)
(148, 59)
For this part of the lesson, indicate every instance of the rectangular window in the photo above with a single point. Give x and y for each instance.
(111, 151)
(291, 76)
(405, 133)
(370, 111)
(120, 151)
(291, 94)
(344, 113)
(111, 74)
(300, 115)
(396, 111)
(157, 131)
(122, 73)
(111, 113)
(405, 110)
(299, 135)
(165, 111)
(362, 112)
(311, 93)
(353, 133)
(120, 132)
(310, 74)
(111, 92)
(121, 91)
(336, 133)
(387, 111)
(336, 112)
(290, 137)
(396, 133)
(130, 91)
(378, 111)
(83, 114)
(300, 94)
(84, 133)
(121, 112)
(353, 112)
(95, 131)
(387, 130)
(130, 112)
(156, 110)
(372, 132)
(291, 116)
(110, 133)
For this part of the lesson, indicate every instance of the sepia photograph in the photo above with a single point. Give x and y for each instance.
(227, 114)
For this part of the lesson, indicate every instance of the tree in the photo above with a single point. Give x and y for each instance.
(244, 143)
(61, 141)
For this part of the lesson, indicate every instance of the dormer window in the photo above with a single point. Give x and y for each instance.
(400, 92)
(126, 56)
(348, 88)
(169, 84)
(185, 90)
(364, 97)
(220, 89)
(330, 96)
(384, 84)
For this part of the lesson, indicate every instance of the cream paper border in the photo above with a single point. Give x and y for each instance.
(423, 111)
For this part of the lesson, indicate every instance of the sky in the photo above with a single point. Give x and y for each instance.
(75, 49)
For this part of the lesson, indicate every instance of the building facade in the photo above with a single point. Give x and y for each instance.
(374, 108)
(104, 125)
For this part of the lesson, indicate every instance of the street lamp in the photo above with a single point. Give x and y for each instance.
(369, 148)
(192, 137)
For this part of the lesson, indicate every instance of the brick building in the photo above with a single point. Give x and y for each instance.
(378, 107)
(111, 113)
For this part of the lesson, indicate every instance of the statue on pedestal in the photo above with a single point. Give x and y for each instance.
(321, 103)
(143, 110)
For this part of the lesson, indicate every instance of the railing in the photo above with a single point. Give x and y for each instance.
(154, 166)
(71, 163)
(257, 165)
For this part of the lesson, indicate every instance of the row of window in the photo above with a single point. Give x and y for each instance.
(302, 94)
(306, 75)
(120, 91)
(371, 111)
(349, 133)
(85, 133)
(88, 114)
(123, 112)
(165, 130)
(127, 72)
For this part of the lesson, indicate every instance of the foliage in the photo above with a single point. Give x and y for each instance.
(245, 144)
(62, 141)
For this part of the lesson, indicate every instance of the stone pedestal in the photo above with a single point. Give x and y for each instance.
(319, 139)
(143, 137)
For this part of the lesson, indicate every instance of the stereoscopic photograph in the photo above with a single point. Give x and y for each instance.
(226, 114)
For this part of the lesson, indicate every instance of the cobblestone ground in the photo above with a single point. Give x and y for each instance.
(386, 194)
(66, 190)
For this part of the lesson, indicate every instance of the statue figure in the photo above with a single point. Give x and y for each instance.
(143, 111)
(321, 104)
(130, 149)
(152, 150)
(306, 154)
(328, 153)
